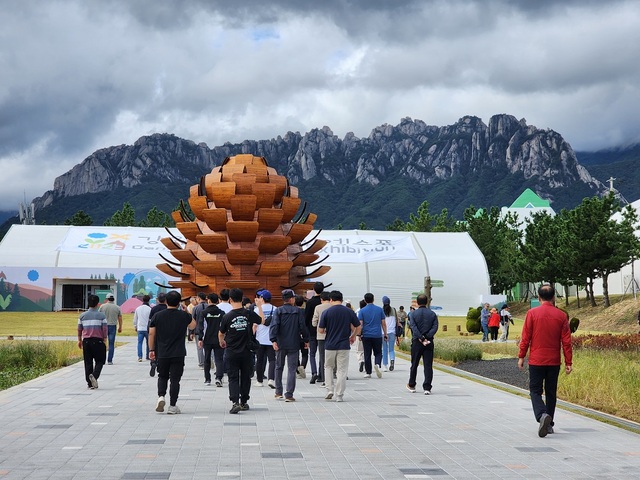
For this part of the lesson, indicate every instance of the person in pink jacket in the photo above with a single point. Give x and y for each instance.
(544, 333)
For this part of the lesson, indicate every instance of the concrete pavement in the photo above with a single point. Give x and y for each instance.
(54, 428)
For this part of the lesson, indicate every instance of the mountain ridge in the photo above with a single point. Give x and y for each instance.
(395, 168)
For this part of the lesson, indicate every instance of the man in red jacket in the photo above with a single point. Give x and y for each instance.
(545, 330)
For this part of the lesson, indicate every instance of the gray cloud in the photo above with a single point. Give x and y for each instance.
(78, 76)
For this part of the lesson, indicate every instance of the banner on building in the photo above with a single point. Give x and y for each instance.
(351, 248)
(124, 241)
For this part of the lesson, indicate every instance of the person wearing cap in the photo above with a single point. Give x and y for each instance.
(484, 321)
(167, 346)
(114, 322)
(309, 309)
(505, 318)
(287, 328)
(374, 332)
(494, 324)
(236, 336)
(340, 325)
(208, 325)
(265, 352)
(388, 345)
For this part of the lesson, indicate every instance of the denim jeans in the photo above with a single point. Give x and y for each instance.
(143, 335)
(485, 332)
(388, 349)
(313, 348)
(111, 334)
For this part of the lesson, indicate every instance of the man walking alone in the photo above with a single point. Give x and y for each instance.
(424, 325)
(114, 322)
(92, 332)
(545, 330)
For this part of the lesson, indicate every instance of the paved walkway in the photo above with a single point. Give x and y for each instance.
(54, 428)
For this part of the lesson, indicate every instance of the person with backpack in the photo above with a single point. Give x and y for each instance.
(265, 352)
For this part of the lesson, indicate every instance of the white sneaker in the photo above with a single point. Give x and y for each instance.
(258, 384)
(385, 369)
(367, 375)
(301, 372)
(339, 398)
(271, 383)
(160, 404)
(328, 396)
(378, 372)
(93, 381)
(173, 410)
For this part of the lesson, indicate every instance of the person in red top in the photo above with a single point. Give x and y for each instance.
(545, 330)
(494, 324)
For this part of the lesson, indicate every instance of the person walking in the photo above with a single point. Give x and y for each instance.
(141, 317)
(309, 309)
(287, 332)
(374, 332)
(402, 320)
(195, 313)
(388, 345)
(208, 325)
(114, 322)
(494, 324)
(92, 332)
(340, 325)
(505, 319)
(545, 331)
(424, 326)
(484, 322)
(265, 352)
(167, 345)
(236, 335)
(161, 304)
(315, 320)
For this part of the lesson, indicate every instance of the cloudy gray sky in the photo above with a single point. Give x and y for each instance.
(79, 75)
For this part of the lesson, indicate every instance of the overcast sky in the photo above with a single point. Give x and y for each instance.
(80, 75)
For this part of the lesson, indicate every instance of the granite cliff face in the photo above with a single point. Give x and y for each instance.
(421, 153)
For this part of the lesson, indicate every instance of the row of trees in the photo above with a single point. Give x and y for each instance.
(124, 218)
(574, 247)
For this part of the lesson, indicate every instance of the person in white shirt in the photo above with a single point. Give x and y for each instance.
(265, 351)
(141, 325)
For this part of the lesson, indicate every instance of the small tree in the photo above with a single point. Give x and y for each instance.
(122, 218)
(79, 219)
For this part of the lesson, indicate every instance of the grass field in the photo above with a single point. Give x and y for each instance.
(49, 324)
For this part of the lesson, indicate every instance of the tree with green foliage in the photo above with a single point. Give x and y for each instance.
(423, 221)
(156, 218)
(122, 218)
(79, 219)
(600, 244)
(499, 240)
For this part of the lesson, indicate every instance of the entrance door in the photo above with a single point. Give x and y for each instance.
(74, 297)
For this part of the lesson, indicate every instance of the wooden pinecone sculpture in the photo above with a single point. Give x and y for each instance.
(249, 232)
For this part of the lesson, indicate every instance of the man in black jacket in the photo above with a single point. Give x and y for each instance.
(207, 330)
(312, 303)
(287, 328)
(424, 325)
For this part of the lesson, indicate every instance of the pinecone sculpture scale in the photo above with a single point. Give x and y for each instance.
(249, 232)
